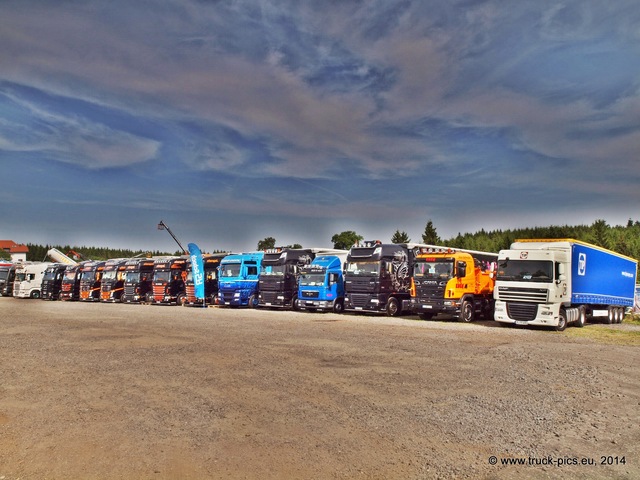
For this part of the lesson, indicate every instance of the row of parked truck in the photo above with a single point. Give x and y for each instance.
(545, 282)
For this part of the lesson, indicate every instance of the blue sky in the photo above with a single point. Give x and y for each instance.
(237, 120)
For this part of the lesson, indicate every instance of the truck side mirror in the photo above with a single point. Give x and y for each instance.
(461, 270)
(561, 273)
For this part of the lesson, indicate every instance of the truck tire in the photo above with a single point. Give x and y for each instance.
(338, 306)
(294, 304)
(467, 312)
(582, 317)
(181, 300)
(253, 301)
(620, 315)
(393, 309)
(562, 321)
(35, 294)
(611, 315)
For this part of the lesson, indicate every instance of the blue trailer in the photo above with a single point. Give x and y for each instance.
(553, 282)
(321, 284)
(238, 279)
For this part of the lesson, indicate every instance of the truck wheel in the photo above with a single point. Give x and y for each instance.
(620, 315)
(582, 317)
(393, 310)
(35, 294)
(338, 306)
(294, 304)
(253, 301)
(562, 321)
(181, 299)
(467, 312)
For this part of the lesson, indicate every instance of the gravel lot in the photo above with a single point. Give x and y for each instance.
(151, 392)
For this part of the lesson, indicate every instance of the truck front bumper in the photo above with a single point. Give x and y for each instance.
(447, 307)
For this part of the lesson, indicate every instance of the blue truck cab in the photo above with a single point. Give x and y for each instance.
(238, 279)
(321, 284)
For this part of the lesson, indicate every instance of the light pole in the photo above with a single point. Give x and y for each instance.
(163, 226)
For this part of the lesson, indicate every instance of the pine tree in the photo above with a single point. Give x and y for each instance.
(430, 236)
(400, 237)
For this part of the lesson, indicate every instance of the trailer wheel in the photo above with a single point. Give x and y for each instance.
(620, 315)
(467, 312)
(611, 315)
(582, 317)
(562, 321)
(393, 310)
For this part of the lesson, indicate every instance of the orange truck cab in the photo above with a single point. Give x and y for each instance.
(454, 282)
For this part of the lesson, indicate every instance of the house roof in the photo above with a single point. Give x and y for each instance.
(12, 247)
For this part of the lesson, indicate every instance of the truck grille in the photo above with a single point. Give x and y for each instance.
(524, 312)
(158, 292)
(129, 290)
(427, 290)
(359, 299)
(356, 284)
(513, 294)
(191, 293)
(310, 294)
(269, 297)
(227, 297)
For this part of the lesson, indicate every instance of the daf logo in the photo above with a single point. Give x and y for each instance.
(582, 264)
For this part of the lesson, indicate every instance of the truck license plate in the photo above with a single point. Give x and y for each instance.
(520, 322)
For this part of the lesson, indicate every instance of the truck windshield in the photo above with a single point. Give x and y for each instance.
(132, 277)
(110, 275)
(230, 270)
(70, 275)
(162, 276)
(434, 269)
(525, 271)
(3, 274)
(49, 274)
(20, 277)
(312, 279)
(363, 268)
(273, 270)
(88, 276)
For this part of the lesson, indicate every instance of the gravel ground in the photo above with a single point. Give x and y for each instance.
(151, 392)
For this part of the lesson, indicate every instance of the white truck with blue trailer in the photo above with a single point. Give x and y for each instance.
(554, 282)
